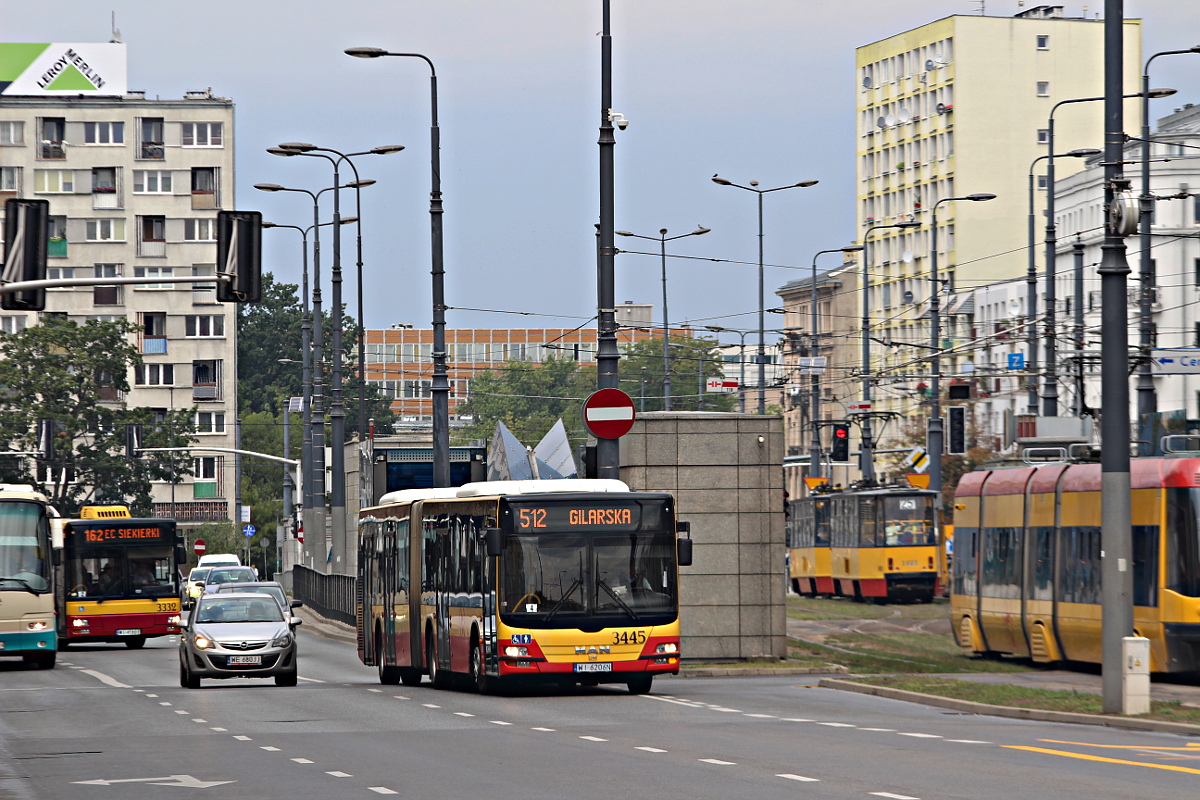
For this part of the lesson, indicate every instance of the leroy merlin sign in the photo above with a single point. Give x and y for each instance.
(62, 69)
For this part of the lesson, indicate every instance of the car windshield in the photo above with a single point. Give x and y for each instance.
(238, 609)
(198, 574)
(274, 591)
(231, 576)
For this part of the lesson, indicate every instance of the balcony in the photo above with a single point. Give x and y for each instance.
(204, 490)
(206, 391)
(52, 151)
(154, 345)
(152, 150)
(202, 201)
(156, 247)
(105, 198)
(57, 248)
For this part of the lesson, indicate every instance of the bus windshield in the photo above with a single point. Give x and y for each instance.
(111, 573)
(24, 539)
(613, 578)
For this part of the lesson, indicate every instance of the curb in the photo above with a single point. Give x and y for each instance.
(1037, 715)
(326, 628)
(736, 672)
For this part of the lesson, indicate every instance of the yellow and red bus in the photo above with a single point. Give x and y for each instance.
(878, 544)
(1026, 568)
(547, 581)
(120, 578)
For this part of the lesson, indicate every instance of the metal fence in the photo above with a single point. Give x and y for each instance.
(331, 596)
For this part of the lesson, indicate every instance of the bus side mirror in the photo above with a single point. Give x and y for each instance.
(684, 546)
(494, 540)
(181, 556)
(57, 527)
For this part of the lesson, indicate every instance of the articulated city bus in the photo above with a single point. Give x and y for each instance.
(1026, 568)
(877, 544)
(119, 578)
(27, 557)
(548, 581)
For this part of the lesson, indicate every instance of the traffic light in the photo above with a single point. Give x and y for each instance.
(26, 240)
(133, 440)
(239, 256)
(840, 449)
(958, 430)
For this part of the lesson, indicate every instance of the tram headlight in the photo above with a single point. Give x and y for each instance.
(667, 647)
(516, 651)
(201, 642)
(79, 622)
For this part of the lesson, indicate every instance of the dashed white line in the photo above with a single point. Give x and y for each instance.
(726, 710)
(499, 722)
(462, 714)
(151, 695)
(181, 711)
(302, 761)
(243, 738)
(762, 716)
(269, 748)
(792, 777)
(399, 697)
(430, 705)
(543, 730)
(165, 703)
(310, 680)
(197, 719)
(651, 749)
(879, 730)
(921, 735)
(797, 719)
(381, 790)
(375, 690)
(593, 739)
(718, 762)
(337, 774)
(221, 730)
(837, 724)
(967, 741)
(894, 796)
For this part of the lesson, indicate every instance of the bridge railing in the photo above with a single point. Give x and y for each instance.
(330, 595)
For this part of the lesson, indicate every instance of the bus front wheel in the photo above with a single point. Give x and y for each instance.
(136, 643)
(640, 684)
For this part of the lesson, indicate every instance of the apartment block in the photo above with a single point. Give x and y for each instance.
(134, 186)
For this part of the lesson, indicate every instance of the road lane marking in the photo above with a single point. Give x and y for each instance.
(151, 695)
(651, 749)
(718, 762)
(430, 705)
(593, 739)
(797, 719)
(792, 777)
(726, 710)
(1191, 747)
(222, 730)
(310, 680)
(462, 714)
(499, 722)
(1086, 757)
(108, 680)
(921, 735)
(197, 719)
(894, 796)
(269, 748)
(837, 724)
(399, 697)
(762, 716)
(543, 730)
(302, 761)
(243, 738)
(381, 790)
(879, 730)
(338, 774)
(968, 741)
(375, 690)
(181, 711)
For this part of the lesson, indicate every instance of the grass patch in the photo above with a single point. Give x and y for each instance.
(844, 608)
(1025, 697)
(905, 653)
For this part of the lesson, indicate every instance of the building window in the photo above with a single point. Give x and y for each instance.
(200, 230)
(1043, 42)
(152, 236)
(204, 325)
(10, 179)
(154, 375)
(104, 180)
(1196, 271)
(210, 422)
(201, 134)
(53, 181)
(107, 295)
(1196, 209)
(151, 181)
(104, 132)
(1042, 181)
(54, 273)
(204, 187)
(152, 272)
(105, 230)
(14, 324)
(1043, 88)
(205, 468)
(12, 132)
(57, 246)
(53, 133)
(206, 380)
(1043, 136)
(152, 138)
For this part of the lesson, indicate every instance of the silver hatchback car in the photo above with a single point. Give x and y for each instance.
(237, 635)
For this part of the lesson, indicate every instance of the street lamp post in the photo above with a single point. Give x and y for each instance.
(866, 456)
(814, 448)
(662, 238)
(440, 387)
(1147, 402)
(1031, 279)
(935, 431)
(762, 337)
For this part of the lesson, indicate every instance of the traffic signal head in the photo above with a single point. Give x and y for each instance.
(958, 430)
(840, 449)
(239, 256)
(26, 240)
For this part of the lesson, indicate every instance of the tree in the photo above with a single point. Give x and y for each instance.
(528, 398)
(74, 376)
(691, 359)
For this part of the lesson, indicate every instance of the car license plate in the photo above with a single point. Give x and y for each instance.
(129, 632)
(245, 660)
(594, 666)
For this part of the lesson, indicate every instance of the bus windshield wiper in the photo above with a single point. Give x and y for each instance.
(600, 582)
(28, 586)
(575, 584)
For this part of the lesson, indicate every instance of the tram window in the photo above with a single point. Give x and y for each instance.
(964, 564)
(1043, 564)
(867, 529)
(1145, 565)
(1183, 542)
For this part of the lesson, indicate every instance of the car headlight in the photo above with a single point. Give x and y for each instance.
(669, 647)
(201, 642)
(516, 651)
(282, 641)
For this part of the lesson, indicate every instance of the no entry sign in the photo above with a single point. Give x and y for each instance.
(199, 547)
(608, 413)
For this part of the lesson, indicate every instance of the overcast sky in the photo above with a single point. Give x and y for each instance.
(750, 89)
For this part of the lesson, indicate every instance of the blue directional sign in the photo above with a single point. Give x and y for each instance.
(248, 531)
(1016, 361)
(1176, 361)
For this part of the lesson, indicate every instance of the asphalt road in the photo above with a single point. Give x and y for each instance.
(111, 723)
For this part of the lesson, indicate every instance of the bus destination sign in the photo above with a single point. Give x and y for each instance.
(589, 516)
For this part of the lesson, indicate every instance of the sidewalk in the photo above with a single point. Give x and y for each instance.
(1064, 681)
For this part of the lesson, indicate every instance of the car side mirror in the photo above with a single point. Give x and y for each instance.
(494, 541)
(295, 622)
(297, 604)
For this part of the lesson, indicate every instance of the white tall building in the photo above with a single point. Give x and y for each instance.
(134, 187)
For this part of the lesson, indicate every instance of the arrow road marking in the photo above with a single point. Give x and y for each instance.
(184, 781)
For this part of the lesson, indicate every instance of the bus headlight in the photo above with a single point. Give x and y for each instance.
(516, 651)
(79, 622)
(38, 626)
(668, 647)
(173, 620)
(201, 642)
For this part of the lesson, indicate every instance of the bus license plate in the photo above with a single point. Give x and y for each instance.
(245, 661)
(599, 666)
(129, 632)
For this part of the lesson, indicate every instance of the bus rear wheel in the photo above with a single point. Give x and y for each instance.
(436, 676)
(640, 684)
(388, 676)
(482, 682)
